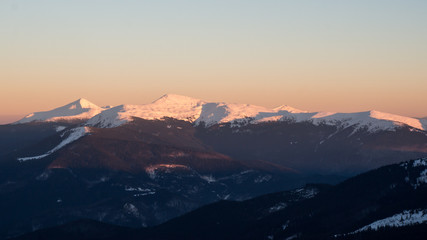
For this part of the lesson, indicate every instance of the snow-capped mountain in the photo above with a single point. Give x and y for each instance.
(199, 111)
(163, 159)
(80, 109)
(211, 113)
(173, 106)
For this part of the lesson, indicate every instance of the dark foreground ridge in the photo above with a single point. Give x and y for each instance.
(312, 212)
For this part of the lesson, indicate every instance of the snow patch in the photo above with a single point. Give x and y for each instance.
(151, 170)
(277, 207)
(407, 217)
(139, 191)
(131, 209)
(144, 194)
(306, 192)
(269, 119)
(208, 178)
(75, 134)
(23, 159)
(132, 189)
(285, 226)
(292, 237)
(261, 179)
(60, 128)
(422, 178)
(44, 176)
(420, 162)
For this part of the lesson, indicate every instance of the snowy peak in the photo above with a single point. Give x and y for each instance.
(288, 109)
(174, 99)
(181, 108)
(79, 104)
(169, 105)
(79, 109)
(82, 103)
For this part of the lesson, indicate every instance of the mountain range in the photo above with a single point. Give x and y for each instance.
(142, 165)
(319, 142)
(198, 111)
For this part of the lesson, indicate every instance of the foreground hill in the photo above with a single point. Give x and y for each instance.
(359, 204)
(386, 203)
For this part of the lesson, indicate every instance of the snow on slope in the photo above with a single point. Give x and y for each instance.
(80, 109)
(198, 111)
(373, 120)
(173, 106)
(288, 109)
(404, 218)
(178, 107)
(424, 122)
(75, 134)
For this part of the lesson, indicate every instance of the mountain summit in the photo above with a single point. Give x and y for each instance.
(80, 109)
(177, 99)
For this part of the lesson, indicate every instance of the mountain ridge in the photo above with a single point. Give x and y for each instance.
(198, 111)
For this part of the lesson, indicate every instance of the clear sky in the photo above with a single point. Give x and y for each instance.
(315, 55)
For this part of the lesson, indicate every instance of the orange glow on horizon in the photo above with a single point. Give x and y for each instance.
(340, 57)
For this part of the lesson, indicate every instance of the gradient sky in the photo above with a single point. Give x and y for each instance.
(313, 55)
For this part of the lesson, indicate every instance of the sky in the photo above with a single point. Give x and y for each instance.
(342, 56)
